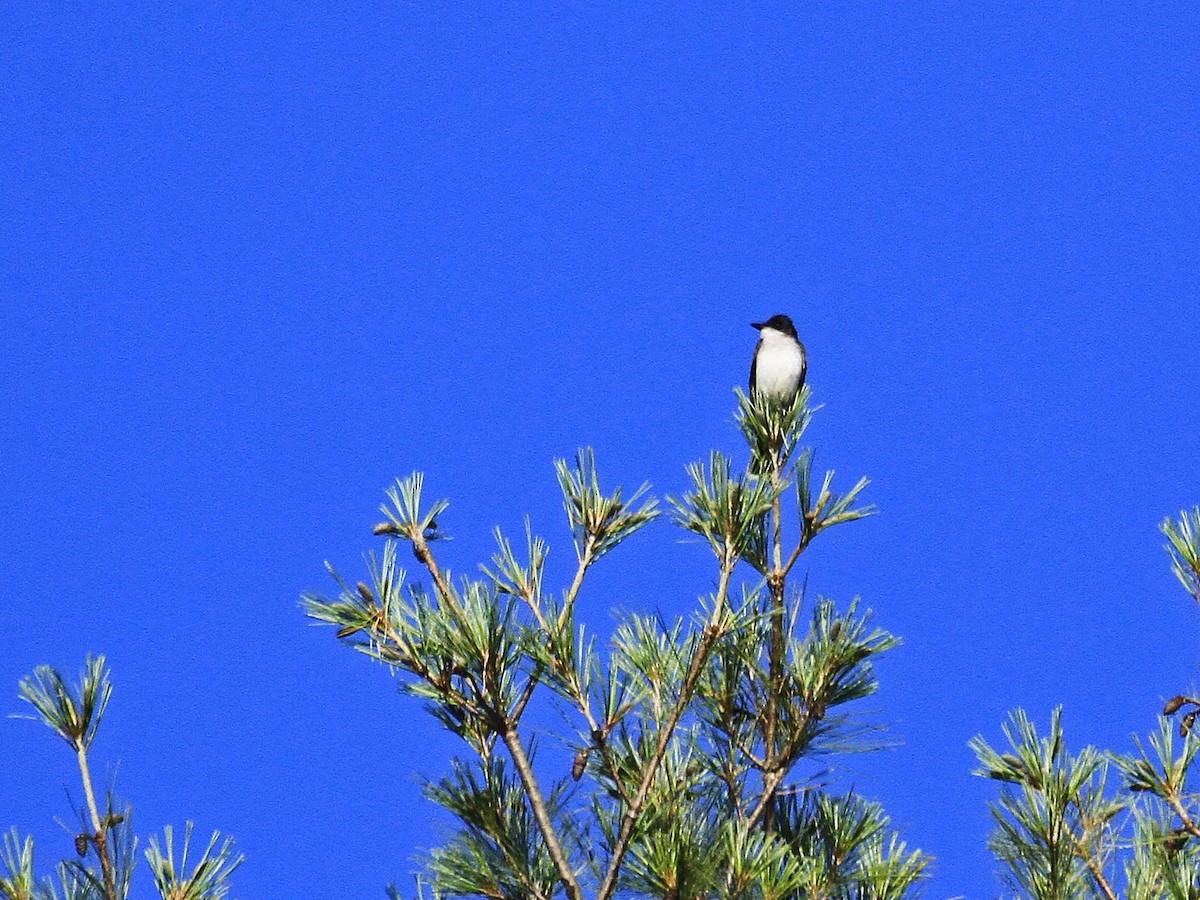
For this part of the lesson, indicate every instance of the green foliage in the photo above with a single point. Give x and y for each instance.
(1055, 821)
(728, 512)
(17, 881)
(1184, 549)
(209, 876)
(772, 427)
(1064, 833)
(599, 522)
(1166, 827)
(828, 509)
(74, 715)
(849, 850)
(497, 851)
(406, 515)
(105, 846)
(1164, 861)
(688, 735)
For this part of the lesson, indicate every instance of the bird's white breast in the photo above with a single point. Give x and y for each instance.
(779, 363)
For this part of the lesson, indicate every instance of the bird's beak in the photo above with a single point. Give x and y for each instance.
(758, 325)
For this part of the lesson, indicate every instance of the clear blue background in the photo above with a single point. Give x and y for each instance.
(256, 260)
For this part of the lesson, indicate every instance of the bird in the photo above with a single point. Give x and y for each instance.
(779, 363)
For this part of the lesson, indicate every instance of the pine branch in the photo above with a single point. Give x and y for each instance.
(537, 802)
(777, 580)
(711, 633)
(75, 716)
(99, 825)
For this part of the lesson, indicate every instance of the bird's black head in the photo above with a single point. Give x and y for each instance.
(779, 322)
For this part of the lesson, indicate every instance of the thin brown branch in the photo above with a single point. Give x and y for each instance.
(600, 742)
(436, 680)
(777, 579)
(760, 764)
(585, 563)
(425, 555)
(511, 737)
(800, 547)
(1085, 850)
(776, 510)
(537, 613)
(537, 801)
(518, 709)
(1098, 876)
(775, 770)
(1189, 823)
(101, 825)
(771, 782)
(581, 698)
(479, 709)
(634, 809)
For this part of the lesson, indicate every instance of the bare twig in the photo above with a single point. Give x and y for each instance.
(101, 825)
(585, 562)
(1189, 823)
(775, 771)
(771, 782)
(425, 555)
(800, 547)
(1099, 877)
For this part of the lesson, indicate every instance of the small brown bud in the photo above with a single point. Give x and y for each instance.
(1174, 704)
(365, 592)
(1012, 766)
(385, 528)
(115, 819)
(577, 769)
(81, 843)
(1176, 840)
(1185, 726)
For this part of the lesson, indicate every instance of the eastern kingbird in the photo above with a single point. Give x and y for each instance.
(780, 363)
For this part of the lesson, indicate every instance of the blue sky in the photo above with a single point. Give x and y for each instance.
(258, 260)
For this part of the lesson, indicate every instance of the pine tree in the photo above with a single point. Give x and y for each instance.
(689, 735)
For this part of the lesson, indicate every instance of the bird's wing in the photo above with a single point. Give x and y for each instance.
(754, 366)
(803, 367)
